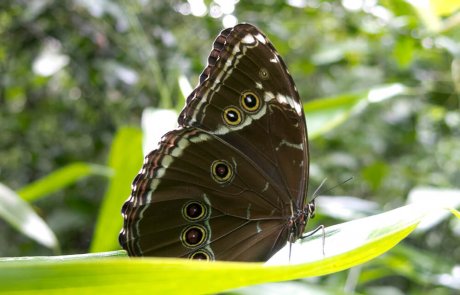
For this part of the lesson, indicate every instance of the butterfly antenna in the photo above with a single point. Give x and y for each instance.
(315, 193)
(318, 190)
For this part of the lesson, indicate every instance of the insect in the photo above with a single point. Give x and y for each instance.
(230, 182)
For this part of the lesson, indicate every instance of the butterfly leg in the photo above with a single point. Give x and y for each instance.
(320, 227)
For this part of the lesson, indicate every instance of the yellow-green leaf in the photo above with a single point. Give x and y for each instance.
(125, 159)
(346, 245)
(61, 178)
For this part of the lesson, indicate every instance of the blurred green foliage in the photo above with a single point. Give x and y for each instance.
(73, 72)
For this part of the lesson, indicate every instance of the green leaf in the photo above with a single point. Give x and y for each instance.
(403, 52)
(125, 159)
(61, 178)
(327, 113)
(455, 212)
(346, 245)
(20, 215)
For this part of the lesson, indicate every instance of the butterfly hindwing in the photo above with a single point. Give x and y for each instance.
(236, 206)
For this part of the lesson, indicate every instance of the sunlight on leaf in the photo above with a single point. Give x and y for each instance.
(347, 245)
(446, 198)
(20, 215)
(427, 14)
(455, 212)
(155, 123)
(444, 7)
(185, 87)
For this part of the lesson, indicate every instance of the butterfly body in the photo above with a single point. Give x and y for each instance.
(230, 183)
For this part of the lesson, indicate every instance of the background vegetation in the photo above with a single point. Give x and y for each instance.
(75, 73)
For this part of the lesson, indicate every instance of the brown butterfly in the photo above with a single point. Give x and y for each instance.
(230, 182)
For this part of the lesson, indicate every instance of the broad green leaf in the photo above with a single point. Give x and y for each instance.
(20, 215)
(125, 159)
(61, 178)
(325, 114)
(346, 245)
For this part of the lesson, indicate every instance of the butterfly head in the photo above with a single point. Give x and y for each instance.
(299, 220)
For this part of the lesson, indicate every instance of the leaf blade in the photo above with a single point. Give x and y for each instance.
(137, 276)
(61, 178)
(125, 158)
(21, 216)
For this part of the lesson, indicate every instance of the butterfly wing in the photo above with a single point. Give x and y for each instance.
(225, 185)
(274, 135)
(183, 204)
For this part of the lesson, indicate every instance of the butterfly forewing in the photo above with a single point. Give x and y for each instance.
(245, 62)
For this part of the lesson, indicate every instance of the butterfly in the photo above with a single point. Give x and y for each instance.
(230, 183)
